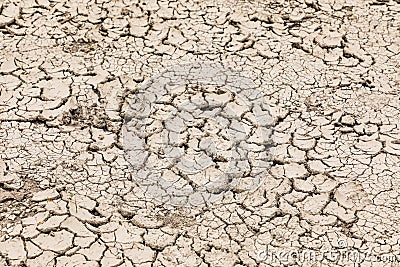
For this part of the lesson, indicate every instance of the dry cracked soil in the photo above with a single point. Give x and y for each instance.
(199, 133)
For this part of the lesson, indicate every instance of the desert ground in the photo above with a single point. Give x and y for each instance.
(199, 133)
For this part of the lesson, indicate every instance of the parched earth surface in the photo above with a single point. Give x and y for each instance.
(322, 135)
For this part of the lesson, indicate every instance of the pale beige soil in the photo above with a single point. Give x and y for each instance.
(329, 76)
